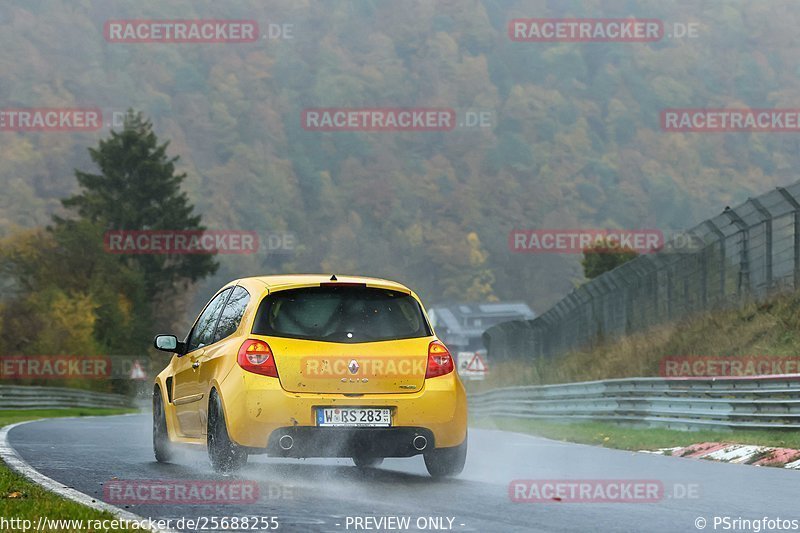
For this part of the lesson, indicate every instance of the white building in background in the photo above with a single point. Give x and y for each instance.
(460, 326)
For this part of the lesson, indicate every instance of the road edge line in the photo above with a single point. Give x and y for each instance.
(16, 463)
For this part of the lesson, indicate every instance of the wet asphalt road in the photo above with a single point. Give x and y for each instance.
(329, 495)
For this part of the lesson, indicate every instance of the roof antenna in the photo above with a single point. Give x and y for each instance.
(333, 278)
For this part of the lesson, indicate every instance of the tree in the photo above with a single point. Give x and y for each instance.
(137, 189)
(603, 256)
(65, 295)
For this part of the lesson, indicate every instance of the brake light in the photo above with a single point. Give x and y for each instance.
(440, 362)
(256, 356)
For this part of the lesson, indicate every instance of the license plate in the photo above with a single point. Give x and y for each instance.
(353, 417)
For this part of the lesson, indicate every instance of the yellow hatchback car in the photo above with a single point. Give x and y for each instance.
(312, 366)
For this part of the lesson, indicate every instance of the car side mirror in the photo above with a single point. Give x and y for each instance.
(169, 343)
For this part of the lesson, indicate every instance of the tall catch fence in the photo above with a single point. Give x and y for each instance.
(744, 253)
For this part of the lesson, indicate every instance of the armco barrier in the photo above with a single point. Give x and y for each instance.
(29, 397)
(768, 402)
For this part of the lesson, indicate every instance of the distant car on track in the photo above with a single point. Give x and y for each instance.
(312, 366)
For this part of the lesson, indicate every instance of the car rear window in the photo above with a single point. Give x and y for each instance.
(341, 314)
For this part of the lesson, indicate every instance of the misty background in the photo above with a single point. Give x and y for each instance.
(574, 140)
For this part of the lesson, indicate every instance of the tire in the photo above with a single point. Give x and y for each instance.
(162, 447)
(366, 461)
(446, 462)
(225, 455)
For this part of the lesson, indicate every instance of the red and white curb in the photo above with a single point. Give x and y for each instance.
(736, 453)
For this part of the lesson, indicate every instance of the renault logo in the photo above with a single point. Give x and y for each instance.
(353, 366)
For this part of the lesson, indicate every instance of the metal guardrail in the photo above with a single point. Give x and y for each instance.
(29, 397)
(769, 402)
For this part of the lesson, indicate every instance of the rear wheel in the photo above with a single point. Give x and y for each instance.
(367, 461)
(225, 455)
(162, 447)
(444, 462)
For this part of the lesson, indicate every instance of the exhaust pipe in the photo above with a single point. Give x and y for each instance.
(286, 442)
(420, 443)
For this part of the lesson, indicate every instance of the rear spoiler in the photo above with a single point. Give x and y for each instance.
(362, 286)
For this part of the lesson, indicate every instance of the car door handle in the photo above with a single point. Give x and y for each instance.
(196, 364)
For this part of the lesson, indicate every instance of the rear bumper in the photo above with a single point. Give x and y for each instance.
(256, 408)
(347, 442)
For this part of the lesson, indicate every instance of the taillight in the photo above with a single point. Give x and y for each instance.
(440, 362)
(256, 356)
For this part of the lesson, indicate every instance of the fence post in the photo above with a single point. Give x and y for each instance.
(744, 261)
(548, 336)
(606, 303)
(702, 257)
(656, 293)
(722, 270)
(584, 298)
(594, 294)
(618, 290)
(796, 206)
(648, 292)
(768, 230)
(668, 273)
(536, 339)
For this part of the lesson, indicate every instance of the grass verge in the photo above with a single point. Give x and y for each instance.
(627, 438)
(22, 499)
